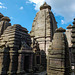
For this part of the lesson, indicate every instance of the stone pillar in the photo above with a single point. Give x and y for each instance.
(4, 64)
(21, 64)
(1, 61)
(35, 59)
(30, 62)
(13, 62)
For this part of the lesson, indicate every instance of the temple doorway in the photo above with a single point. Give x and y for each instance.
(38, 59)
(26, 63)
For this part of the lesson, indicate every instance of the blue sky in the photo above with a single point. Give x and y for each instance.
(23, 12)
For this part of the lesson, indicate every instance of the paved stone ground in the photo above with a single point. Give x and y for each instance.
(72, 73)
(41, 73)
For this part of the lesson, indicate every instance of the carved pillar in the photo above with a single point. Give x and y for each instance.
(35, 59)
(13, 62)
(21, 64)
(4, 62)
(30, 62)
(1, 61)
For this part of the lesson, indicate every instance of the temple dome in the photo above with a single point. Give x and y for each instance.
(5, 18)
(44, 6)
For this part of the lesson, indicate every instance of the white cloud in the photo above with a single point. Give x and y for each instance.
(1, 3)
(37, 3)
(64, 8)
(62, 21)
(28, 2)
(21, 8)
(2, 6)
(11, 17)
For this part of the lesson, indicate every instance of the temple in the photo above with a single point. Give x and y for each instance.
(16, 55)
(58, 62)
(43, 27)
(46, 48)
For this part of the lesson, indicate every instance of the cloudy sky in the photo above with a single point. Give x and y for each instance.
(23, 11)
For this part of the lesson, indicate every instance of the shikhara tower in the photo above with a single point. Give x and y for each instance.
(58, 62)
(43, 27)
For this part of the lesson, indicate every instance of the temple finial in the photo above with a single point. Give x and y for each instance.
(60, 30)
(69, 27)
(45, 3)
(44, 6)
(74, 21)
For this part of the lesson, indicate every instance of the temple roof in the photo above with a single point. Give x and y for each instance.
(60, 30)
(5, 18)
(74, 21)
(69, 27)
(44, 6)
(20, 27)
(1, 15)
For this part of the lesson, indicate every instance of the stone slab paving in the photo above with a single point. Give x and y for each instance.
(72, 73)
(41, 73)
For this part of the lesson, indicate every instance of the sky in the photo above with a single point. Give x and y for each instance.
(23, 12)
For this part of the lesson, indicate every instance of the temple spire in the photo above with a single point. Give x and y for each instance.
(44, 6)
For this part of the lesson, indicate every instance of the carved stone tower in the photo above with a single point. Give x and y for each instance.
(16, 55)
(43, 27)
(58, 62)
(4, 23)
(73, 44)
